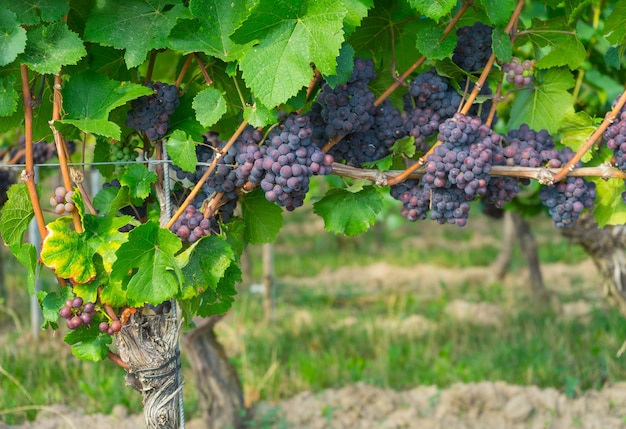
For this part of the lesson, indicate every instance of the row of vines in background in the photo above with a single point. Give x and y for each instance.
(206, 120)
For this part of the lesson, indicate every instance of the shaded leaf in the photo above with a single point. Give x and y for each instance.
(139, 180)
(88, 343)
(262, 219)
(433, 9)
(349, 213)
(13, 40)
(182, 149)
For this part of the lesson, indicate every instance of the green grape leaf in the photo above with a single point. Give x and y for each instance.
(139, 180)
(184, 118)
(29, 12)
(280, 64)
(347, 212)
(89, 291)
(149, 252)
(13, 40)
(357, 10)
(138, 26)
(88, 343)
(259, 116)
(501, 44)
(220, 299)
(433, 9)
(429, 44)
(204, 264)
(575, 130)
(345, 65)
(50, 47)
(615, 25)
(545, 105)
(388, 24)
(89, 97)
(610, 208)
(110, 200)
(17, 213)
(559, 44)
(210, 32)
(210, 106)
(182, 149)
(234, 231)
(26, 255)
(67, 252)
(51, 303)
(262, 219)
(499, 11)
(103, 236)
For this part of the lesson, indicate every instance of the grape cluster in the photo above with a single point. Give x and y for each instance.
(76, 314)
(518, 73)
(191, 225)
(290, 160)
(415, 199)
(249, 157)
(349, 108)
(473, 47)
(567, 199)
(42, 151)
(428, 90)
(62, 202)
(7, 178)
(151, 113)
(110, 328)
(615, 136)
(124, 151)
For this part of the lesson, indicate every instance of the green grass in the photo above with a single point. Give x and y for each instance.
(306, 347)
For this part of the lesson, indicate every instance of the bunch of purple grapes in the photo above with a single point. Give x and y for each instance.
(518, 73)
(473, 47)
(62, 202)
(290, 160)
(192, 225)
(76, 314)
(249, 157)
(615, 136)
(349, 108)
(110, 328)
(415, 199)
(428, 90)
(151, 113)
(42, 151)
(567, 199)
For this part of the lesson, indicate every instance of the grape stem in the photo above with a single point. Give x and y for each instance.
(151, 62)
(183, 71)
(59, 141)
(384, 178)
(29, 170)
(591, 140)
(115, 358)
(203, 70)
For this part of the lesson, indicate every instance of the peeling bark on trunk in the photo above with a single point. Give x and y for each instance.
(148, 345)
(607, 248)
(216, 378)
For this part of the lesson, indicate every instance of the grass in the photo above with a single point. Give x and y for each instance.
(325, 337)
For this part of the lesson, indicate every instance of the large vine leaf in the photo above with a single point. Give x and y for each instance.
(149, 254)
(499, 11)
(280, 64)
(103, 236)
(214, 301)
(67, 252)
(210, 106)
(433, 9)
(182, 149)
(50, 47)
(262, 219)
(349, 211)
(13, 40)
(88, 343)
(89, 97)
(138, 26)
(545, 105)
(139, 180)
(204, 264)
(610, 209)
(215, 21)
(30, 12)
(615, 26)
(559, 44)
(17, 213)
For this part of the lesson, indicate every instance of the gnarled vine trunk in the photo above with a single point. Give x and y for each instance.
(148, 344)
(216, 378)
(607, 248)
